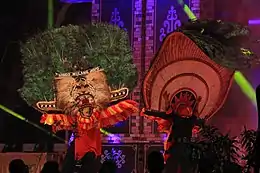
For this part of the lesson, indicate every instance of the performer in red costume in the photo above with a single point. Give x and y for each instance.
(62, 76)
(85, 111)
(183, 124)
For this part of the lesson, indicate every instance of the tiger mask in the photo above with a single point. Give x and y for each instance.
(82, 92)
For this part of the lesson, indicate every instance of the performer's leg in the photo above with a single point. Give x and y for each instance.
(185, 160)
(69, 161)
(171, 165)
(172, 162)
(90, 163)
(185, 165)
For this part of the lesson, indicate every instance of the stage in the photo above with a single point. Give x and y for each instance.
(168, 72)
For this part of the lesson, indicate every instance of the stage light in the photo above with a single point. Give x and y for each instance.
(245, 86)
(31, 123)
(28, 147)
(75, 1)
(2, 147)
(112, 137)
(59, 148)
(38, 148)
(254, 22)
(71, 139)
(6, 148)
(50, 14)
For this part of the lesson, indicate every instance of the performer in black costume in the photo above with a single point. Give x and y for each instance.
(184, 123)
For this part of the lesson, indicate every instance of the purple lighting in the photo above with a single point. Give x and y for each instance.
(114, 139)
(254, 22)
(75, 1)
(72, 137)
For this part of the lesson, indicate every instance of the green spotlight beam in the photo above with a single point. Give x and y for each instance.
(31, 123)
(188, 11)
(240, 79)
(50, 14)
(37, 126)
(245, 86)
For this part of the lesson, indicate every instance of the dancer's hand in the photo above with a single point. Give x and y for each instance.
(142, 112)
(195, 131)
(145, 112)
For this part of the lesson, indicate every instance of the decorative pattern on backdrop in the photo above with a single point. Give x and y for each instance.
(125, 157)
(114, 154)
(116, 19)
(169, 17)
(118, 12)
(137, 44)
(195, 7)
(95, 10)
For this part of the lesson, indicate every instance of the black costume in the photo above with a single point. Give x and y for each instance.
(180, 134)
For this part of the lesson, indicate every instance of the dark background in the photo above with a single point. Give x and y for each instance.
(20, 20)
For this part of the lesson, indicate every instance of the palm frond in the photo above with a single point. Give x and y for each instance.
(74, 48)
(225, 43)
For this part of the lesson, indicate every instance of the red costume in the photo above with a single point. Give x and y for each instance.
(88, 130)
(86, 104)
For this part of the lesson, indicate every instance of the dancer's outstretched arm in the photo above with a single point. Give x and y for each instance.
(157, 114)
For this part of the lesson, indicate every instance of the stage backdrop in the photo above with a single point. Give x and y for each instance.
(162, 17)
(169, 16)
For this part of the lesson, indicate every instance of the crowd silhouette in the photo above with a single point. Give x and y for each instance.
(155, 164)
(18, 166)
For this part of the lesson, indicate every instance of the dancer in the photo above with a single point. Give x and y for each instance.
(80, 76)
(197, 62)
(86, 111)
(183, 119)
